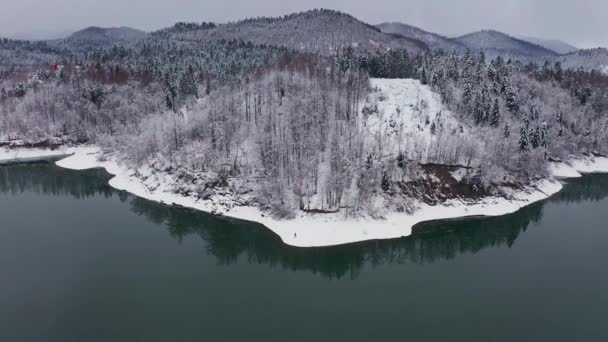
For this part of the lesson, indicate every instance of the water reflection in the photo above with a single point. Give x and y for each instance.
(231, 241)
(43, 178)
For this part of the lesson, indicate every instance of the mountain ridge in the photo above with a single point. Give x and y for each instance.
(495, 43)
(433, 40)
(319, 31)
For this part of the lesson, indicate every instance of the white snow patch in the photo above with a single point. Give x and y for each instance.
(589, 164)
(563, 170)
(459, 174)
(404, 116)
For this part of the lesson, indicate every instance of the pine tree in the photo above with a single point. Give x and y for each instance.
(467, 94)
(495, 116)
(524, 144)
(386, 182)
(423, 79)
(557, 71)
(511, 99)
(535, 138)
(208, 86)
(546, 72)
(534, 113)
(486, 103)
(187, 84)
(482, 58)
(170, 94)
(20, 90)
(544, 135)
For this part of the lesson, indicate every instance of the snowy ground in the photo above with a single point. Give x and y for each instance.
(315, 230)
(402, 115)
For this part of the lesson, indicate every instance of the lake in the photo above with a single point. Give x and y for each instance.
(80, 261)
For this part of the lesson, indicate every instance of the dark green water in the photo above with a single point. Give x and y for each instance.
(82, 262)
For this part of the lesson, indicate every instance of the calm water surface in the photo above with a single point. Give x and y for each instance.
(80, 261)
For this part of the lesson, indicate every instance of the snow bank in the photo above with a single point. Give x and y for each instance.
(317, 230)
(328, 230)
(563, 170)
(590, 164)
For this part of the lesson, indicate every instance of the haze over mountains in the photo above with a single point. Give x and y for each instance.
(495, 43)
(551, 44)
(98, 37)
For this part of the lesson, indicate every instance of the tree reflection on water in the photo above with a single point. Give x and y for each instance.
(230, 241)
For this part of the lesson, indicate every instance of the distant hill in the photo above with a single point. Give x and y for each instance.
(551, 44)
(25, 52)
(321, 31)
(587, 59)
(182, 27)
(98, 37)
(433, 40)
(495, 43)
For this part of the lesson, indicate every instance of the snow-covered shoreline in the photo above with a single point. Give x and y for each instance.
(317, 230)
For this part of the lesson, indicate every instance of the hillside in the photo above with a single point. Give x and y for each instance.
(26, 52)
(555, 45)
(588, 59)
(434, 41)
(495, 43)
(322, 31)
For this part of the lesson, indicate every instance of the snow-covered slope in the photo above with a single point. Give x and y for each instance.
(409, 118)
(588, 59)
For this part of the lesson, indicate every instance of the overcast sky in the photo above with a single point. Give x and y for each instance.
(582, 22)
